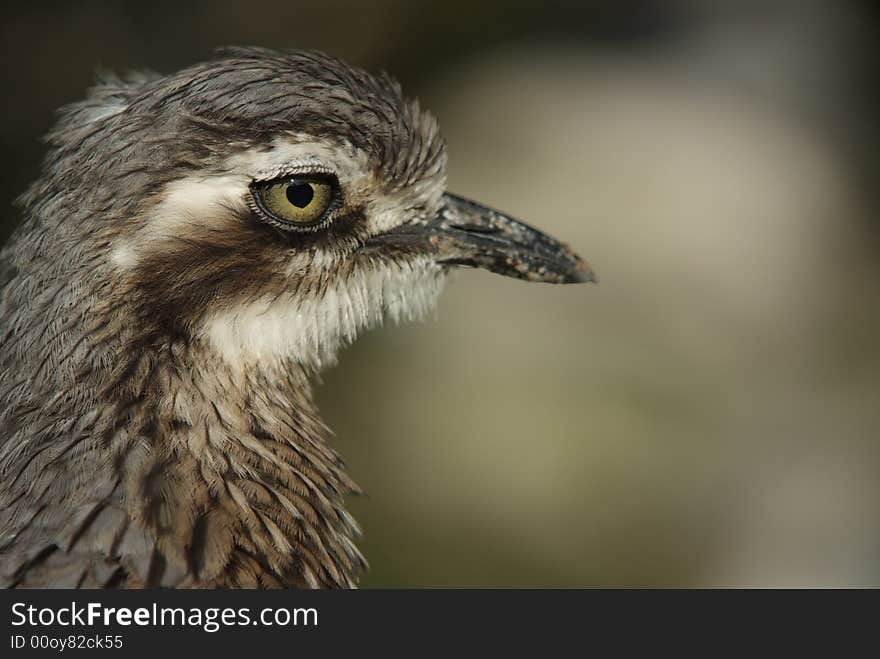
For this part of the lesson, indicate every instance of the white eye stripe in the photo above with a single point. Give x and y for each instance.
(294, 169)
(297, 154)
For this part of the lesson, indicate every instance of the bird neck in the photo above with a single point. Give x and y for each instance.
(156, 463)
(238, 478)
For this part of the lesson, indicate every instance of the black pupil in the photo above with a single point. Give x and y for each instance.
(300, 194)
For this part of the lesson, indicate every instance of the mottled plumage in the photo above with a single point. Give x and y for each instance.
(157, 426)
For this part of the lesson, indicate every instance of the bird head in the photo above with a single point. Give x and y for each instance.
(272, 205)
(196, 246)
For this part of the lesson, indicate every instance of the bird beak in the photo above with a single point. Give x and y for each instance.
(466, 233)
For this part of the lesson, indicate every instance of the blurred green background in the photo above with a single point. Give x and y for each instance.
(709, 414)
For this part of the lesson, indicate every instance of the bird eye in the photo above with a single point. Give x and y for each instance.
(296, 201)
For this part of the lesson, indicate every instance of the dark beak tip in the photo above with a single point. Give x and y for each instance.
(580, 273)
(583, 275)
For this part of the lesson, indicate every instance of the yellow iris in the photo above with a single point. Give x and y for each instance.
(297, 200)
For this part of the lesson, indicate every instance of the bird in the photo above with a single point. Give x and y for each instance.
(197, 247)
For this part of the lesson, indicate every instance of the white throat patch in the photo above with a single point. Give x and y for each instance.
(311, 330)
